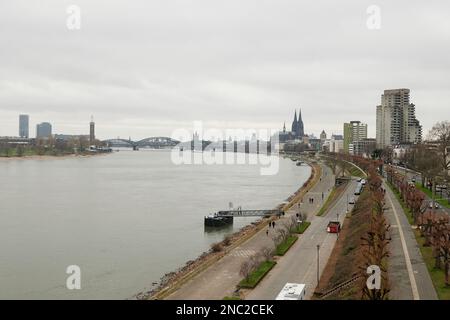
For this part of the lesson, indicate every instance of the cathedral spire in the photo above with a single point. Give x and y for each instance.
(294, 127)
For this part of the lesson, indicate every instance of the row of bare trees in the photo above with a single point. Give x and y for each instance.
(375, 243)
(253, 262)
(280, 234)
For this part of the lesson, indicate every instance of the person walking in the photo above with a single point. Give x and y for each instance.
(267, 231)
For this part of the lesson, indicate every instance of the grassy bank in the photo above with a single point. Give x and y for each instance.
(437, 275)
(256, 276)
(347, 253)
(354, 171)
(428, 192)
(332, 197)
(328, 202)
(283, 247)
(404, 207)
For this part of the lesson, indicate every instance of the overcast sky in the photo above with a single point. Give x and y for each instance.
(144, 68)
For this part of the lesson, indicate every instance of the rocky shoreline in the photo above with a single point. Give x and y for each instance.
(171, 279)
(49, 157)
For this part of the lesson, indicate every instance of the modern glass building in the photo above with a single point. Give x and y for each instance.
(24, 130)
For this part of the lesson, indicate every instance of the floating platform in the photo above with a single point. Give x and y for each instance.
(223, 218)
(218, 220)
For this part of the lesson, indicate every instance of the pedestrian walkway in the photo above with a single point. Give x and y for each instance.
(407, 271)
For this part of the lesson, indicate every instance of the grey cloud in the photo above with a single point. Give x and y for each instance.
(144, 68)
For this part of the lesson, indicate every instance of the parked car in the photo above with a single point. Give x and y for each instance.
(351, 200)
(363, 182)
(436, 205)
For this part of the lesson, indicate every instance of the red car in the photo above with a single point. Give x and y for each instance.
(334, 227)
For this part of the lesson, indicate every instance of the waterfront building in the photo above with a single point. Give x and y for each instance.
(43, 130)
(354, 131)
(335, 144)
(396, 119)
(24, 130)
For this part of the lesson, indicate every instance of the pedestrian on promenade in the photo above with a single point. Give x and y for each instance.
(273, 224)
(322, 195)
(267, 232)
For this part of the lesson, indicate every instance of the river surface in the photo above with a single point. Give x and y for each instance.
(125, 218)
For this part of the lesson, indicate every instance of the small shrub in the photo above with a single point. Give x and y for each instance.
(217, 247)
(227, 240)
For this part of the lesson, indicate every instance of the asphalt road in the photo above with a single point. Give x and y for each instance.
(299, 265)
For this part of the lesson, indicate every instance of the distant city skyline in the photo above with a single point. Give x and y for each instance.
(229, 64)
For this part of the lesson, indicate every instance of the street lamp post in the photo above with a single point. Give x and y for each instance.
(318, 249)
(347, 202)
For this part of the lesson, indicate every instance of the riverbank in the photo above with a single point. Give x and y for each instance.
(51, 157)
(172, 281)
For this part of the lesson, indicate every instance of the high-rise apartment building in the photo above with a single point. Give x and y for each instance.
(43, 130)
(354, 131)
(396, 119)
(24, 125)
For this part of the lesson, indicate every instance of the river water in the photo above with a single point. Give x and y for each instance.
(125, 218)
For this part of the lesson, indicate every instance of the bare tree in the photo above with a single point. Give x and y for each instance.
(291, 223)
(441, 134)
(267, 252)
(246, 269)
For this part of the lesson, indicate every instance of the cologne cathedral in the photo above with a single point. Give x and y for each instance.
(297, 131)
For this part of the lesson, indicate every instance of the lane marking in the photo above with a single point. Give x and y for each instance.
(412, 279)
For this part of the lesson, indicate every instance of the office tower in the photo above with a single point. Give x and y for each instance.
(43, 130)
(24, 121)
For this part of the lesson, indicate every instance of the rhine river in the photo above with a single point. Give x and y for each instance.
(125, 218)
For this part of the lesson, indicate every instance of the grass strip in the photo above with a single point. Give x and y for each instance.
(256, 276)
(331, 197)
(301, 227)
(283, 247)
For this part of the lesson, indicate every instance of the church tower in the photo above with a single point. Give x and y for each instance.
(300, 131)
(295, 125)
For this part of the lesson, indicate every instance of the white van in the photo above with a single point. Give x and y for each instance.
(292, 291)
